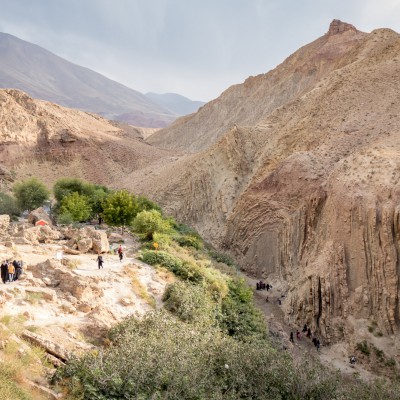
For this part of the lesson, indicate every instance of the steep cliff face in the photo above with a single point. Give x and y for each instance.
(310, 193)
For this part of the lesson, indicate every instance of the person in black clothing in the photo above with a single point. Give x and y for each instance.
(100, 261)
(291, 337)
(18, 270)
(4, 271)
(305, 328)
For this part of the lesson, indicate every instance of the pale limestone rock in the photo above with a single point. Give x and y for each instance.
(84, 245)
(84, 307)
(4, 223)
(52, 348)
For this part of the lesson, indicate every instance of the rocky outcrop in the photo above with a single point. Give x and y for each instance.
(309, 193)
(37, 215)
(86, 239)
(50, 347)
(338, 26)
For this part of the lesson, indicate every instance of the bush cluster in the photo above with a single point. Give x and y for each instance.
(160, 357)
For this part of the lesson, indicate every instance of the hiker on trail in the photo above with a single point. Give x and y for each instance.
(11, 272)
(120, 252)
(308, 332)
(267, 299)
(291, 337)
(258, 286)
(305, 328)
(298, 335)
(352, 360)
(314, 340)
(100, 261)
(317, 344)
(4, 271)
(268, 287)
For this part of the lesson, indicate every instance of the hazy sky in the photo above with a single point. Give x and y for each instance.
(197, 48)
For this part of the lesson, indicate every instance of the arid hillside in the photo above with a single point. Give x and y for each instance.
(307, 189)
(48, 141)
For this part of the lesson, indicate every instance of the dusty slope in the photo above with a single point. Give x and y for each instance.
(43, 139)
(311, 192)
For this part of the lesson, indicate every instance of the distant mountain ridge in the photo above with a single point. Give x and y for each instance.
(176, 103)
(46, 76)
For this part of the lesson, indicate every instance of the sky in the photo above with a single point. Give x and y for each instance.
(196, 48)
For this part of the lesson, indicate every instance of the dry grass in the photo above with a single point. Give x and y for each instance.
(165, 275)
(139, 288)
(19, 364)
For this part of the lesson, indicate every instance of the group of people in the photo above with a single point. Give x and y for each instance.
(262, 286)
(307, 332)
(10, 271)
(100, 260)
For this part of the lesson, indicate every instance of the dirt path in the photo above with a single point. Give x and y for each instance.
(335, 356)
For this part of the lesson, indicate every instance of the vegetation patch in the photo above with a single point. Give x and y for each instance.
(139, 288)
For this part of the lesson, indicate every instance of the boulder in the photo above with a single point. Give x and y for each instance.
(85, 244)
(37, 215)
(50, 347)
(4, 223)
(46, 234)
(100, 241)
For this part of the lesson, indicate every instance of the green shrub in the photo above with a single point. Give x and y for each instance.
(222, 258)
(190, 303)
(8, 205)
(363, 347)
(391, 362)
(239, 317)
(30, 194)
(160, 357)
(163, 240)
(189, 241)
(149, 222)
(161, 257)
(65, 218)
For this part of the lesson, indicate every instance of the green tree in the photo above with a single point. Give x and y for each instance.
(120, 208)
(77, 206)
(65, 186)
(30, 194)
(8, 205)
(144, 204)
(149, 222)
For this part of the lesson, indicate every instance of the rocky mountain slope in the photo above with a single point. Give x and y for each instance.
(48, 141)
(45, 76)
(248, 103)
(306, 185)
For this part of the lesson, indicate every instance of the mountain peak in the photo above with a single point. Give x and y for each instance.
(337, 26)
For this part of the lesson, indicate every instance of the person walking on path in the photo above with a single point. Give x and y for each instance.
(291, 337)
(120, 252)
(298, 334)
(100, 261)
